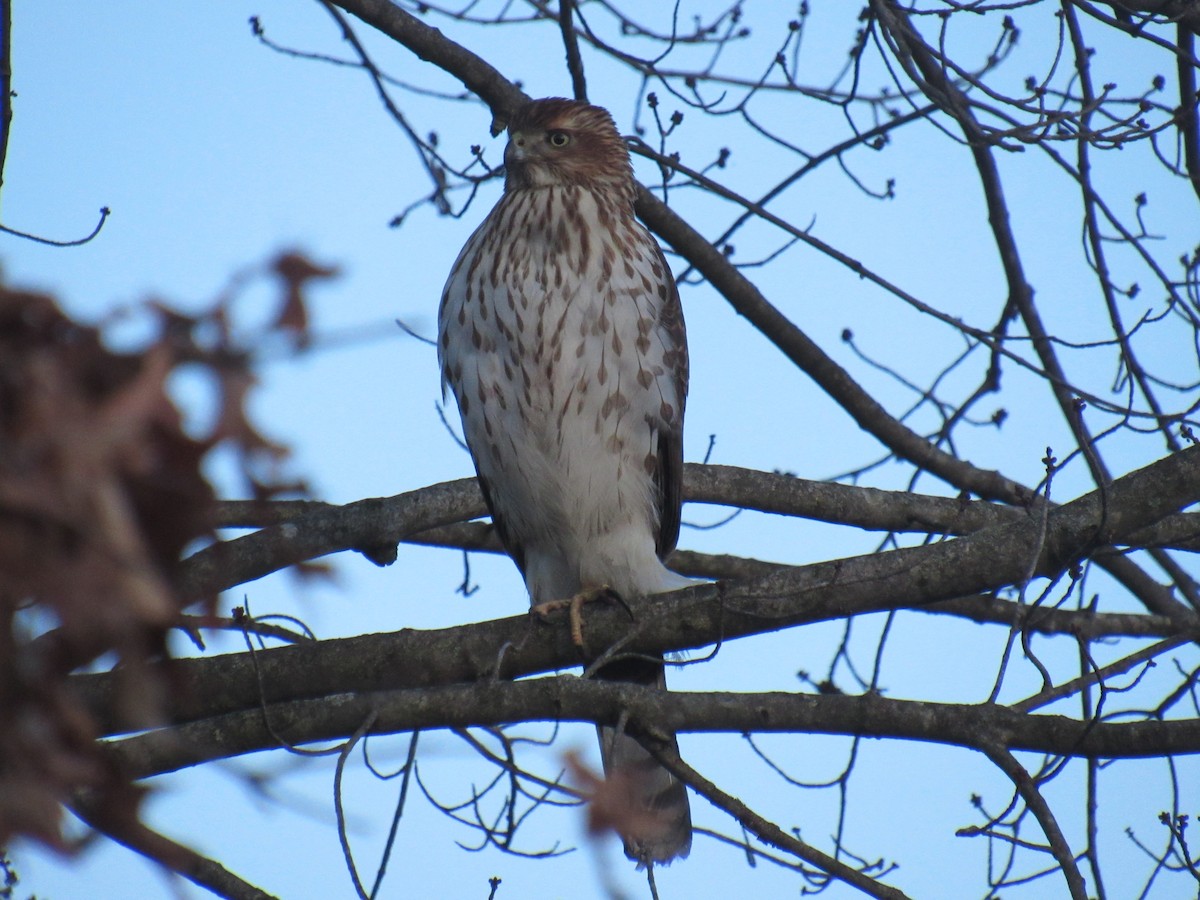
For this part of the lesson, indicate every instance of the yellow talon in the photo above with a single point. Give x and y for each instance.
(574, 607)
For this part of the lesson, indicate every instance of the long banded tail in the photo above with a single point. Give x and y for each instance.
(660, 820)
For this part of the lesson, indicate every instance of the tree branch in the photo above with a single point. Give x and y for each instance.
(1189, 121)
(687, 619)
(198, 869)
(767, 831)
(1033, 798)
(567, 698)
(6, 113)
(929, 75)
(1182, 12)
(373, 526)
(566, 25)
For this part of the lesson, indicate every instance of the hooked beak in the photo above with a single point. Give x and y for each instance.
(517, 149)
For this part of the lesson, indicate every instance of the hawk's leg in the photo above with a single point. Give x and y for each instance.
(574, 607)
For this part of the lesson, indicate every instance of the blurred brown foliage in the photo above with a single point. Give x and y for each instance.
(101, 492)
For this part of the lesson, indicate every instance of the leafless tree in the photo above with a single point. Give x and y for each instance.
(1085, 571)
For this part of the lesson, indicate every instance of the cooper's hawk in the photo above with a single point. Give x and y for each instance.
(561, 335)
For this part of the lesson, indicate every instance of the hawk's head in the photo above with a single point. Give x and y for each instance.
(564, 142)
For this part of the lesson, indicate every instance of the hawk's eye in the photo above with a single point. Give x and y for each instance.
(558, 138)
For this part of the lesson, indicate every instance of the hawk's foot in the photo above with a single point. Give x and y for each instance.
(574, 607)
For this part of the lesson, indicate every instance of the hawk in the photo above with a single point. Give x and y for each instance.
(561, 335)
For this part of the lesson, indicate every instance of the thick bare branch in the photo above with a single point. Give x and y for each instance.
(692, 618)
(566, 698)
(373, 526)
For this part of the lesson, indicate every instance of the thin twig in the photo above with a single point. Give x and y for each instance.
(339, 808)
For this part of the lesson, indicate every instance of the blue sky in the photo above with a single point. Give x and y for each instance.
(215, 153)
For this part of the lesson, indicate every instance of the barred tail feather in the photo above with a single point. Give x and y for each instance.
(660, 817)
